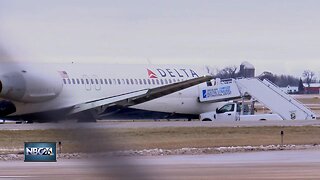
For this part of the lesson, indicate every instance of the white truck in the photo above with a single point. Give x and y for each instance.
(232, 111)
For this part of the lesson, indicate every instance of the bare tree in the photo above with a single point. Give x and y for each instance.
(308, 76)
(227, 72)
(268, 75)
(300, 87)
(280, 80)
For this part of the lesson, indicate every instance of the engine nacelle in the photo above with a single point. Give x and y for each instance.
(30, 87)
(6, 108)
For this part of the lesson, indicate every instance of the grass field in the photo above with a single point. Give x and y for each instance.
(309, 99)
(167, 138)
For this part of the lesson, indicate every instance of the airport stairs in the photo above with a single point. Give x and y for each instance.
(266, 93)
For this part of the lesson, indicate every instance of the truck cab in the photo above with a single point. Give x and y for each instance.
(233, 111)
(228, 112)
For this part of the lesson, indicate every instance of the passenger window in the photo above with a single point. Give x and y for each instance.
(97, 82)
(226, 108)
(161, 80)
(105, 81)
(73, 81)
(166, 81)
(110, 81)
(123, 81)
(82, 81)
(119, 82)
(153, 81)
(127, 81)
(136, 81)
(101, 81)
(140, 81)
(170, 82)
(157, 81)
(64, 81)
(92, 82)
(69, 81)
(149, 82)
(174, 80)
(131, 80)
(87, 80)
(144, 81)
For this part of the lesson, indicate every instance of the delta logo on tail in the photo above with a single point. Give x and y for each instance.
(179, 73)
(151, 74)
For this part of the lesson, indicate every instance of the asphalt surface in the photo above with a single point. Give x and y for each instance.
(153, 124)
(256, 165)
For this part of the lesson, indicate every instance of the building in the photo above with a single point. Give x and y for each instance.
(313, 89)
(290, 89)
(247, 70)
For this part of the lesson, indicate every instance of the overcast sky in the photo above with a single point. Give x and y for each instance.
(274, 35)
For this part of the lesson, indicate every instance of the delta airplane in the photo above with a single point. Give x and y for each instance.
(49, 92)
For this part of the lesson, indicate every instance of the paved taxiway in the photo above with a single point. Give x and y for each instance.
(153, 124)
(255, 165)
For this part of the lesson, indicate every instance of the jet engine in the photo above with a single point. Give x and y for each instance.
(6, 108)
(30, 87)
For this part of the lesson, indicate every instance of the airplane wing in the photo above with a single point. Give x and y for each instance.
(136, 97)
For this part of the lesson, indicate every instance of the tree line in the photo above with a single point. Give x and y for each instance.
(282, 80)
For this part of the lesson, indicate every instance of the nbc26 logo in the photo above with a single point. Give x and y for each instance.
(40, 152)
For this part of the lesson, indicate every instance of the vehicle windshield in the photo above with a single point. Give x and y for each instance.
(226, 108)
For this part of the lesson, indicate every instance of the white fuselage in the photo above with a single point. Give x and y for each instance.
(82, 83)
